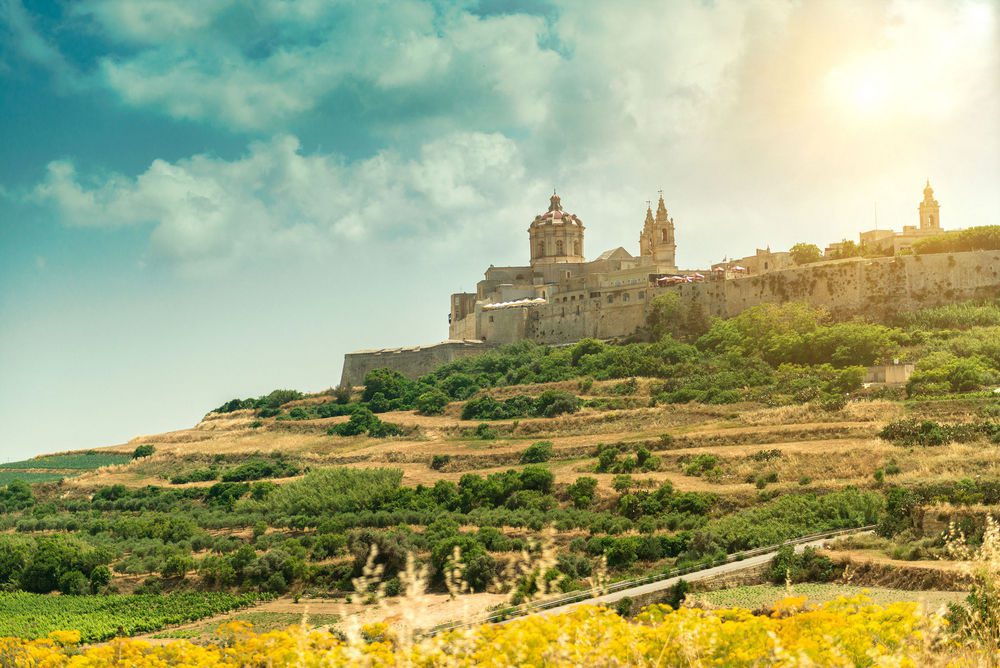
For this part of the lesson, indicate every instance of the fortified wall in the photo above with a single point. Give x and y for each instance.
(560, 297)
(412, 362)
(874, 287)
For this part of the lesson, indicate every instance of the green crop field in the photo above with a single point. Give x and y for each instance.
(84, 461)
(28, 476)
(99, 617)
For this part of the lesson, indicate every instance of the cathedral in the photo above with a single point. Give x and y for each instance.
(586, 297)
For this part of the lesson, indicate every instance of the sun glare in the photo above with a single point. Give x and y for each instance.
(862, 88)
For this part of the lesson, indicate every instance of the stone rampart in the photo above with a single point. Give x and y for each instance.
(875, 287)
(412, 362)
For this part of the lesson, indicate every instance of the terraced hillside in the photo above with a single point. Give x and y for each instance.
(535, 471)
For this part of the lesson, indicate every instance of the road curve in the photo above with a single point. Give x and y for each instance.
(660, 585)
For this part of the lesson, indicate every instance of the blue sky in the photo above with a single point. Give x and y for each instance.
(205, 199)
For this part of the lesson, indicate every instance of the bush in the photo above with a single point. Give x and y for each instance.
(485, 432)
(73, 583)
(807, 566)
(698, 465)
(432, 402)
(143, 451)
(537, 453)
(986, 237)
(930, 433)
(438, 462)
(581, 492)
(363, 420)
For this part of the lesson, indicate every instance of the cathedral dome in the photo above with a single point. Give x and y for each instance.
(555, 215)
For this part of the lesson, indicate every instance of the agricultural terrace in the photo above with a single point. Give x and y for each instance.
(597, 460)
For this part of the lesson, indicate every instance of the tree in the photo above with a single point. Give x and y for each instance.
(666, 316)
(432, 402)
(73, 583)
(392, 384)
(13, 556)
(846, 248)
(100, 578)
(581, 492)
(143, 451)
(803, 253)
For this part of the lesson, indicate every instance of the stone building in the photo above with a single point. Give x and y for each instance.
(506, 304)
(891, 243)
(561, 297)
(763, 261)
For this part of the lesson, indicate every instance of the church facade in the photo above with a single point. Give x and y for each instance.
(560, 296)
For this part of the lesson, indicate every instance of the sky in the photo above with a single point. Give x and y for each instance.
(204, 199)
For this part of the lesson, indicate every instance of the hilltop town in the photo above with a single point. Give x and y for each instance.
(560, 297)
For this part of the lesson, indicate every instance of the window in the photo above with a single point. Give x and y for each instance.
(559, 247)
(540, 252)
(625, 297)
(491, 317)
(611, 299)
(576, 248)
(642, 294)
(578, 309)
(663, 237)
(595, 294)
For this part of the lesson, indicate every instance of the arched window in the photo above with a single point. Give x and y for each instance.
(576, 248)
(559, 247)
(663, 236)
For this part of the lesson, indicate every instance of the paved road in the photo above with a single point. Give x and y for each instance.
(733, 567)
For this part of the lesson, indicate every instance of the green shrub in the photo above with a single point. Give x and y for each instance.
(485, 432)
(143, 451)
(432, 402)
(930, 433)
(699, 464)
(438, 462)
(581, 492)
(537, 453)
(807, 566)
(986, 237)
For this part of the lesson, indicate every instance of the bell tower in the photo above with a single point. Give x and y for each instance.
(657, 238)
(930, 211)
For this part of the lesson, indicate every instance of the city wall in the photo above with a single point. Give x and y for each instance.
(412, 362)
(875, 287)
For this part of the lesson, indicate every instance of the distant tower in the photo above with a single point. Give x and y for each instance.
(556, 236)
(657, 238)
(930, 211)
(646, 236)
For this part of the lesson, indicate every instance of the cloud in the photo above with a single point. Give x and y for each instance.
(208, 212)
(249, 67)
(29, 44)
(760, 120)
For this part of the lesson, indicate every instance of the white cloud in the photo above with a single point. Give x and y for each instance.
(251, 66)
(206, 211)
(747, 114)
